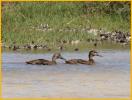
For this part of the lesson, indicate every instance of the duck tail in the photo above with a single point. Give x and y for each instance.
(28, 62)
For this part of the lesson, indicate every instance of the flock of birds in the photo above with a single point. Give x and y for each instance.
(56, 56)
(116, 36)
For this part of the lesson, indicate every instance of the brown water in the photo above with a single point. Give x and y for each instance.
(108, 78)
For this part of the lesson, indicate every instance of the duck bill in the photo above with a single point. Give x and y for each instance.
(99, 55)
(63, 58)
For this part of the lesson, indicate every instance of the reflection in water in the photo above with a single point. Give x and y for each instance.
(109, 77)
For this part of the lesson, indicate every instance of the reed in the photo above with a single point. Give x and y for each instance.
(23, 22)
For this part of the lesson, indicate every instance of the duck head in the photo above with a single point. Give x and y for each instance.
(57, 56)
(93, 53)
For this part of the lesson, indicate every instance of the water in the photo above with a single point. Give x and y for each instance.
(108, 78)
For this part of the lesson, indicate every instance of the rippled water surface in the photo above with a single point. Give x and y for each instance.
(109, 77)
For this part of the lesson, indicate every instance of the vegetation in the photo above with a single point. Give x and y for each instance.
(49, 22)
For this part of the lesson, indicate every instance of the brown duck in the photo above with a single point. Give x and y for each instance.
(46, 62)
(90, 61)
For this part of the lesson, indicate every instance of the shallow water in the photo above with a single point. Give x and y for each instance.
(109, 77)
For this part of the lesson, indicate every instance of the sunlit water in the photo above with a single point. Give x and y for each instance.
(109, 77)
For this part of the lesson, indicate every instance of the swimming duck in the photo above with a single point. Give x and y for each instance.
(91, 61)
(46, 62)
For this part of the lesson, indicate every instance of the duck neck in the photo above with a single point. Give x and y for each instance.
(90, 57)
(54, 60)
(91, 60)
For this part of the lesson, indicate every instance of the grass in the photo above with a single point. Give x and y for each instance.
(18, 20)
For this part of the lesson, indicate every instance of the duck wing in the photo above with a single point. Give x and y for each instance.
(72, 61)
(48, 63)
(81, 61)
(38, 61)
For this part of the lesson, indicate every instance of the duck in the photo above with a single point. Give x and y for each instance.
(15, 47)
(46, 62)
(76, 49)
(91, 61)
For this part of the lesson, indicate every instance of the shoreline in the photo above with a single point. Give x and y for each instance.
(81, 47)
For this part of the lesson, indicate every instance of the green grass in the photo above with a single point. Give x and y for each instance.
(18, 20)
